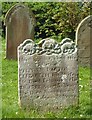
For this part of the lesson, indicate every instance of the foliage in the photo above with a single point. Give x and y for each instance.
(11, 109)
(56, 19)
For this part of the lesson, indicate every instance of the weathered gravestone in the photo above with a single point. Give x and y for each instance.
(19, 26)
(83, 38)
(47, 74)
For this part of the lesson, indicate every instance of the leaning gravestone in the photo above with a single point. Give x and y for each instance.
(47, 74)
(83, 40)
(19, 26)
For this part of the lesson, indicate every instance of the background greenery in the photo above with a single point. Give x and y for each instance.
(54, 19)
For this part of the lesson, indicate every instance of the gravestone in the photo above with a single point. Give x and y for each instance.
(47, 74)
(83, 40)
(19, 26)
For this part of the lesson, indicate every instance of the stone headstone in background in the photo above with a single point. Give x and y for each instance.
(19, 26)
(47, 74)
(83, 38)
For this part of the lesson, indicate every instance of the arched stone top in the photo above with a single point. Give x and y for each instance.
(16, 7)
(87, 22)
(48, 46)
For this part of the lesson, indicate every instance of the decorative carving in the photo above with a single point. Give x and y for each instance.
(48, 46)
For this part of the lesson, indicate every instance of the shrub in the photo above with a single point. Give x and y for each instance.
(56, 19)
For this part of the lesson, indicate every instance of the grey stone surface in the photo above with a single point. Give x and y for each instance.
(47, 74)
(83, 40)
(20, 25)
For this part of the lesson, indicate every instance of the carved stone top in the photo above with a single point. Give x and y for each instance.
(48, 46)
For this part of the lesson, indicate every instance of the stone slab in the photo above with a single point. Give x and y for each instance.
(83, 40)
(19, 26)
(47, 74)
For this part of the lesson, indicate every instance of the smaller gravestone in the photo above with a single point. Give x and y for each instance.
(47, 74)
(19, 26)
(83, 40)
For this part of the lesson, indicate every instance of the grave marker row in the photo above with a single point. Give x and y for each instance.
(20, 26)
(47, 71)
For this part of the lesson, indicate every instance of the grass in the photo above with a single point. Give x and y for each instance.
(11, 109)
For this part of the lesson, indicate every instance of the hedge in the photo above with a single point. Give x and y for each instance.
(54, 19)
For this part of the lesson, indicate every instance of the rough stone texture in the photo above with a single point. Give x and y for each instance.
(19, 26)
(47, 74)
(83, 38)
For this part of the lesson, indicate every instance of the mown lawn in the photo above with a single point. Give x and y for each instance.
(10, 108)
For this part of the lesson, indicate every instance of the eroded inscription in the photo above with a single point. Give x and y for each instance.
(48, 81)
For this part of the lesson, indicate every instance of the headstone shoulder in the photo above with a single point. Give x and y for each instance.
(86, 21)
(12, 9)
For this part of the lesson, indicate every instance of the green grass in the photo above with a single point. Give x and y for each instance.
(11, 109)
